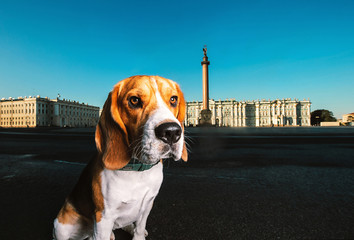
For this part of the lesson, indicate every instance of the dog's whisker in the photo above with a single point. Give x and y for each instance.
(137, 151)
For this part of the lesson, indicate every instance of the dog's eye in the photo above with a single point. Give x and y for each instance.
(173, 101)
(135, 102)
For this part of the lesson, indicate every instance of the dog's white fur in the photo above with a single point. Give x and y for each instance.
(129, 196)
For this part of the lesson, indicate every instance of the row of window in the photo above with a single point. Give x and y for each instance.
(44, 106)
(249, 113)
(30, 111)
(15, 118)
(290, 107)
(17, 105)
(25, 123)
(249, 109)
(21, 118)
(17, 123)
(249, 122)
(90, 114)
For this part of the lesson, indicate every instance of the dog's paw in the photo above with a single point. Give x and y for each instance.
(140, 237)
(130, 229)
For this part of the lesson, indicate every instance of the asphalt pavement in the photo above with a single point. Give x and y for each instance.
(241, 183)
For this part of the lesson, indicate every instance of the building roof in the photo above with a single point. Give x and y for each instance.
(10, 99)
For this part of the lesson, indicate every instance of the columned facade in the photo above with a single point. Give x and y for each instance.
(231, 113)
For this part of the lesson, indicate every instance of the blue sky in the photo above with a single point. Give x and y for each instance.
(258, 49)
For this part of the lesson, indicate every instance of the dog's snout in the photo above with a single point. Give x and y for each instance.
(168, 132)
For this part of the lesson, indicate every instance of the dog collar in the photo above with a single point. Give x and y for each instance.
(135, 165)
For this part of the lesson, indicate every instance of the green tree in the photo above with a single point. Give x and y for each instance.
(322, 115)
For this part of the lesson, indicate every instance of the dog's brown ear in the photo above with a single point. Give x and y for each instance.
(181, 106)
(180, 116)
(111, 134)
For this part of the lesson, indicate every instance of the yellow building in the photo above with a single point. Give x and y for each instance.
(348, 118)
(37, 112)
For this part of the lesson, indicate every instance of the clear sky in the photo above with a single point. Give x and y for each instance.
(258, 49)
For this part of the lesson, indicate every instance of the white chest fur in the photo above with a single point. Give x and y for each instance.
(128, 195)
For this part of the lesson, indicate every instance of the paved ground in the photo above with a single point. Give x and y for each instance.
(244, 183)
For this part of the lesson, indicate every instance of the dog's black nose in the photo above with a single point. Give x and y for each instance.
(169, 132)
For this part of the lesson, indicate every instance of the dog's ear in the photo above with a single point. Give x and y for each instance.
(180, 117)
(181, 106)
(111, 135)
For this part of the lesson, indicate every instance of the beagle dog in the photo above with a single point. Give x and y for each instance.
(141, 124)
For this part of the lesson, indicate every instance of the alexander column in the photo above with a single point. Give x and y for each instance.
(205, 113)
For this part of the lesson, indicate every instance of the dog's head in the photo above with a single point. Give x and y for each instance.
(142, 118)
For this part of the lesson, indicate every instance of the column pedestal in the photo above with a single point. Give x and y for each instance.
(205, 117)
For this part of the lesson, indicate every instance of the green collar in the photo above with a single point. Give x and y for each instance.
(135, 165)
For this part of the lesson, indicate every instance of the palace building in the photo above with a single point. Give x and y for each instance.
(37, 112)
(264, 113)
(348, 118)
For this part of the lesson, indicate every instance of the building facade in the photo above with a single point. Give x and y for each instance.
(348, 118)
(39, 112)
(232, 113)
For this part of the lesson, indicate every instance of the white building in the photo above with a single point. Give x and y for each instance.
(232, 113)
(37, 111)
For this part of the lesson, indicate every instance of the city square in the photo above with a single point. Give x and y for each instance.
(239, 183)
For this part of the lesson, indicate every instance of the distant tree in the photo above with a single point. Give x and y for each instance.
(322, 115)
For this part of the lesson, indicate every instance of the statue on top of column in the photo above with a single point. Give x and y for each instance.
(205, 50)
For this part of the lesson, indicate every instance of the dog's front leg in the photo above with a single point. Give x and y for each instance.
(139, 232)
(103, 229)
